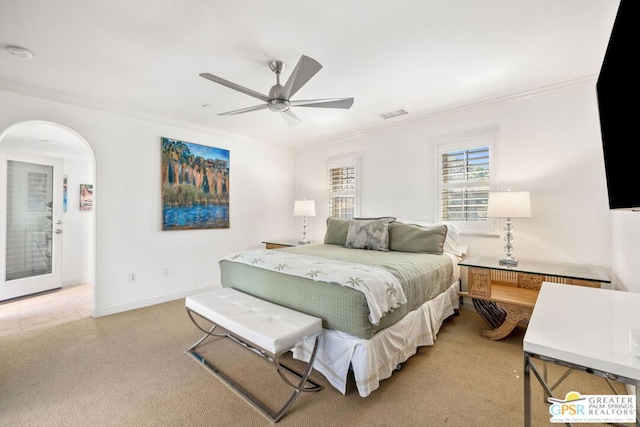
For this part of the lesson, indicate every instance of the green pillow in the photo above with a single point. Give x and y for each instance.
(336, 231)
(414, 238)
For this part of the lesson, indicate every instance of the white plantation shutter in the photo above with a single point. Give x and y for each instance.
(465, 184)
(343, 187)
(467, 175)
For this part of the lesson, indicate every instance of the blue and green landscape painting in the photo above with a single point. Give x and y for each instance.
(195, 186)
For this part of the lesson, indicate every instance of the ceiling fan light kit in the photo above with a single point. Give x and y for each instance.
(278, 105)
(279, 98)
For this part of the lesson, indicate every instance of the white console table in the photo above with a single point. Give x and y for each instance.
(585, 329)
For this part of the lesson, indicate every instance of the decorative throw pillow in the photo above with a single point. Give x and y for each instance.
(451, 243)
(415, 238)
(371, 234)
(336, 231)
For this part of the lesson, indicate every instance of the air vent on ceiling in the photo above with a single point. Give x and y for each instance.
(19, 52)
(392, 114)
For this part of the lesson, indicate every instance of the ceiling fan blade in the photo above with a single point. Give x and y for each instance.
(324, 103)
(291, 118)
(234, 86)
(305, 69)
(244, 110)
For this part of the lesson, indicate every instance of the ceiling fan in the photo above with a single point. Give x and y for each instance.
(279, 98)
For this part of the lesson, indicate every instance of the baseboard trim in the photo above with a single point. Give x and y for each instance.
(120, 307)
(74, 282)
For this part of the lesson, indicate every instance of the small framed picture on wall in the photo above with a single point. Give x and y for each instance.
(86, 197)
(64, 194)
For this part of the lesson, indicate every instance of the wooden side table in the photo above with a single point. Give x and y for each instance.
(275, 244)
(504, 295)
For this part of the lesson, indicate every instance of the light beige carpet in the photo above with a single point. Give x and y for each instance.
(130, 369)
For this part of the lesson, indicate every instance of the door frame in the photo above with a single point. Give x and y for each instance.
(88, 151)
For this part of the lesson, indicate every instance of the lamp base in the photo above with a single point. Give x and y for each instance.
(508, 260)
(304, 242)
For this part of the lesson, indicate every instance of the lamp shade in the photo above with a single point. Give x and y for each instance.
(509, 204)
(304, 208)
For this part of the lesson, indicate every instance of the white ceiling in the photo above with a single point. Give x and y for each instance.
(143, 57)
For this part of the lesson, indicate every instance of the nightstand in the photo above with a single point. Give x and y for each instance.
(284, 243)
(503, 295)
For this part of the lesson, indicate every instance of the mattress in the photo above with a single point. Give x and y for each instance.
(422, 277)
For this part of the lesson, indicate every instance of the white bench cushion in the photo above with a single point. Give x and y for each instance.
(272, 327)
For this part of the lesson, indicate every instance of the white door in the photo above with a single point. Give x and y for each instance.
(31, 190)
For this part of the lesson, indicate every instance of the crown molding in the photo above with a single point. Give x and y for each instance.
(54, 96)
(451, 109)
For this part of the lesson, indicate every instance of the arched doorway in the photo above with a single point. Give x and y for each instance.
(73, 227)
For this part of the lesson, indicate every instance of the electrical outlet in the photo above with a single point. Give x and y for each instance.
(133, 277)
(165, 272)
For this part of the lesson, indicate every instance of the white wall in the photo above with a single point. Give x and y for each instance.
(549, 144)
(128, 205)
(626, 249)
(78, 249)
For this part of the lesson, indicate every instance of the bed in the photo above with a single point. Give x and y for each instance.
(382, 288)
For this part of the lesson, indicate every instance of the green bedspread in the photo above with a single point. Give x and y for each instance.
(422, 276)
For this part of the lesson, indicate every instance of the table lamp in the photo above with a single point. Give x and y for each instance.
(304, 208)
(509, 204)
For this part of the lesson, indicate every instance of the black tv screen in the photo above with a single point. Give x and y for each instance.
(618, 94)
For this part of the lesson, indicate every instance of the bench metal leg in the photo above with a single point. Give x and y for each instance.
(304, 384)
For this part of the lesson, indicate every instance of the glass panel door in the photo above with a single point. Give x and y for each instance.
(29, 219)
(31, 225)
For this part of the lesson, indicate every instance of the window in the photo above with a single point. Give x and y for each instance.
(467, 175)
(343, 187)
(465, 184)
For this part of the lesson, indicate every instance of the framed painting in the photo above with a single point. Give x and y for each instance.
(86, 197)
(64, 194)
(195, 186)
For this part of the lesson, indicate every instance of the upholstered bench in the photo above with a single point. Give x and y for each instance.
(267, 329)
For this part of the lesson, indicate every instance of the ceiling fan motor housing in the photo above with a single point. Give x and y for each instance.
(277, 103)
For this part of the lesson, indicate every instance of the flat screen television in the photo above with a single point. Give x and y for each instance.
(618, 95)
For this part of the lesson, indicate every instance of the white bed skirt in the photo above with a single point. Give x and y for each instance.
(375, 359)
